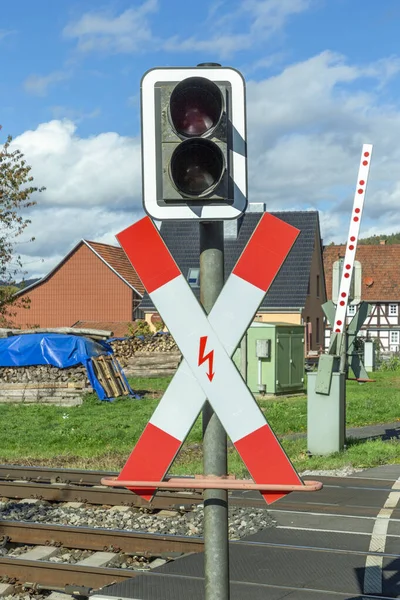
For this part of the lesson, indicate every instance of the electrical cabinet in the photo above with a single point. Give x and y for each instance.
(275, 358)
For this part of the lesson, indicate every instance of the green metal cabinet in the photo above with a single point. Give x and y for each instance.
(277, 364)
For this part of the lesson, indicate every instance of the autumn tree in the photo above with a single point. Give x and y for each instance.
(16, 190)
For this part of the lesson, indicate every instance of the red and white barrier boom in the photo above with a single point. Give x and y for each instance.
(352, 240)
(207, 342)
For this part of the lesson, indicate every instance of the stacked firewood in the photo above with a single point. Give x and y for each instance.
(44, 374)
(127, 348)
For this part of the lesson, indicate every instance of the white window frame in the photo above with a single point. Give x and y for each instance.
(351, 310)
(393, 310)
(394, 337)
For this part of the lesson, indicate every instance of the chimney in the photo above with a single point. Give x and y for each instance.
(382, 242)
(232, 228)
(256, 207)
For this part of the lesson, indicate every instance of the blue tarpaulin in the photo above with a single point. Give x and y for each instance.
(59, 350)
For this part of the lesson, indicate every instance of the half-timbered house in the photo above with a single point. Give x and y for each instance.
(379, 282)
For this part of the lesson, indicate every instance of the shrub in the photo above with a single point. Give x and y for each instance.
(393, 364)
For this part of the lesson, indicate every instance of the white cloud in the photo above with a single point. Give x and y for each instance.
(38, 84)
(306, 127)
(100, 31)
(102, 170)
(60, 229)
(93, 188)
(73, 114)
(131, 31)
(264, 17)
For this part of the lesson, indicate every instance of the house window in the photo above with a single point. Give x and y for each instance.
(194, 277)
(393, 310)
(351, 310)
(317, 286)
(394, 337)
(317, 331)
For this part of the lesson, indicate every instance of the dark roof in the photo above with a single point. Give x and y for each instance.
(380, 274)
(289, 289)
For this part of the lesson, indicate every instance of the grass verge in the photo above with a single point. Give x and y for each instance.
(100, 435)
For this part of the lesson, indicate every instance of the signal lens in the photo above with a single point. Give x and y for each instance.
(196, 106)
(196, 167)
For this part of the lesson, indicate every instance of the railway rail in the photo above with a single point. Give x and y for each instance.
(330, 533)
(70, 485)
(110, 543)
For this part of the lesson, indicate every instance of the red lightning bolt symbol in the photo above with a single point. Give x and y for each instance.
(206, 357)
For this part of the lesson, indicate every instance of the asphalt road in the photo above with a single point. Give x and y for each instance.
(341, 543)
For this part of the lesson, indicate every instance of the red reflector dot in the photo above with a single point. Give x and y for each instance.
(338, 322)
(366, 153)
(342, 303)
(365, 162)
(351, 247)
(348, 266)
(360, 191)
(352, 239)
(361, 182)
(347, 274)
(343, 294)
(357, 210)
(356, 219)
(337, 330)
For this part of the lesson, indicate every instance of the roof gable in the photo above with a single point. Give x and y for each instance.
(115, 258)
(112, 256)
(289, 289)
(378, 262)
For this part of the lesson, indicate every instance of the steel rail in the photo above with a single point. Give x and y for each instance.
(98, 539)
(87, 477)
(62, 492)
(53, 475)
(43, 573)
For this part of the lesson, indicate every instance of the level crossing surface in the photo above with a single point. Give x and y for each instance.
(342, 543)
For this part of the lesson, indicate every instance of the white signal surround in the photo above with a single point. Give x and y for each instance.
(352, 240)
(149, 166)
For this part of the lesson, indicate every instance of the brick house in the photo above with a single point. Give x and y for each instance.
(379, 281)
(94, 284)
(298, 290)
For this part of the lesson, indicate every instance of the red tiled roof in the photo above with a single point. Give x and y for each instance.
(116, 258)
(379, 263)
(118, 328)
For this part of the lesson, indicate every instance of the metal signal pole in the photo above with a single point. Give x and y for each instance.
(216, 542)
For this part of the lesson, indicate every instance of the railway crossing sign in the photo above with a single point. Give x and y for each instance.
(207, 343)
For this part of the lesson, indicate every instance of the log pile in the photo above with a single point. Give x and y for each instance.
(44, 384)
(44, 374)
(148, 356)
(127, 348)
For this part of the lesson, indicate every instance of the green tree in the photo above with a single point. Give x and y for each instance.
(16, 189)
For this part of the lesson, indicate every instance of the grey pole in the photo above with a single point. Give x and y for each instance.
(216, 547)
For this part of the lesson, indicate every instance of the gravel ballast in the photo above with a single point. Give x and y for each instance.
(242, 521)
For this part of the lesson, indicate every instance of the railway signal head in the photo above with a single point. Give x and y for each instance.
(194, 143)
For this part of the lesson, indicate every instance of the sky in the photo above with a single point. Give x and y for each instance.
(322, 78)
